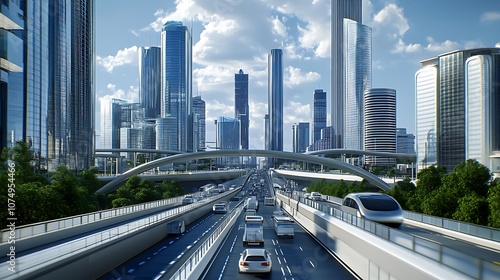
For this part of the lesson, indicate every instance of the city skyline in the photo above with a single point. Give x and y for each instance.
(402, 37)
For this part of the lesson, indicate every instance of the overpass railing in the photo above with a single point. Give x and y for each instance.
(463, 263)
(38, 259)
(78, 220)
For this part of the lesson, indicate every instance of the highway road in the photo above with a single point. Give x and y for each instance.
(300, 257)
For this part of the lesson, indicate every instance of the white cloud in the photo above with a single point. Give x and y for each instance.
(402, 48)
(294, 77)
(497, 45)
(278, 27)
(301, 113)
(131, 94)
(122, 57)
(490, 16)
(391, 20)
(443, 47)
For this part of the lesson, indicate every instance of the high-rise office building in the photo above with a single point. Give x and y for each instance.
(457, 101)
(117, 114)
(199, 109)
(275, 102)
(150, 81)
(380, 124)
(405, 142)
(228, 138)
(241, 111)
(266, 132)
(176, 92)
(59, 79)
(11, 74)
(358, 74)
(300, 137)
(319, 114)
(350, 9)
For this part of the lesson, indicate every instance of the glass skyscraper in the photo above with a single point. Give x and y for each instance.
(199, 109)
(275, 102)
(150, 81)
(380, 124)
(241, 111)
(319, 111)
(228, 137)
(300, 137)
(350, 9)
(358, 75)
(176, 55)
(11, 74)
(466, 101)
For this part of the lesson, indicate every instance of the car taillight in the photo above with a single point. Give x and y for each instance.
(265, 263)
(243, 263)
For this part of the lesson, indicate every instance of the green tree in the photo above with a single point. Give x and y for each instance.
(494, 205)
(471, 176)
(66, 184)
(171, 189)
(402, 192)
(472, 208)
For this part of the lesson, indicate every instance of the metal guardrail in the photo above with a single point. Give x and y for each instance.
(37, 259)
(190, 264)
(53, 225)
(471, 266)
(489, 233)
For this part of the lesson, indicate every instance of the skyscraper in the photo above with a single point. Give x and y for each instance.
(176, 71)
(319, 118)
(300, 137)
(11, 75)
(59, 79)
(150, 81)
(199, 109)
(457, 101)
(275, 102)
(341, 9)
(358, 76)
(228, 137)
(241, 105)
(380, 124)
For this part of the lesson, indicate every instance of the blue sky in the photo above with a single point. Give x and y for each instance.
(233, 34)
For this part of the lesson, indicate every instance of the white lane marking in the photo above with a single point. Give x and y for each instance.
(141, 263)
(301, 249)
(279, 260)
(311, 263)
(282, 271)
(276, 251)
(131, 270)
(289, 271)
(284, 259)
(281, 252)
(223, 268)
(159, 275)
(273, 242)
(232, 246)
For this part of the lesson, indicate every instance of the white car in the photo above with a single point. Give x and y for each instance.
(255, 261)
(316, 196)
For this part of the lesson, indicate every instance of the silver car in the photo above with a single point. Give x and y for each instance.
(255, 261)
(377, 207)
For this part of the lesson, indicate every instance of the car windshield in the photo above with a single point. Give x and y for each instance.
(379, 203)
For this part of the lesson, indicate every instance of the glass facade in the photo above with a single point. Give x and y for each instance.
(405, 143)
(199, 109)
(11, 74)
(358, 74)
(241, 111)
(380, 124)
(300, 137)
(319, 117)
(150, 81)
(426, 82)
(228, 138)
(166, 134)
(341, 9)
(457, 109)
(176, 81)
(275, 102)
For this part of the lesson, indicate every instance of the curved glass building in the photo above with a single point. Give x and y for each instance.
(358, 77)
(380, 124)
(350, 9)
(176, 81)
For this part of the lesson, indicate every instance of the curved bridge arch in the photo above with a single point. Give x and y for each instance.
(410, 157)
(372, 179)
